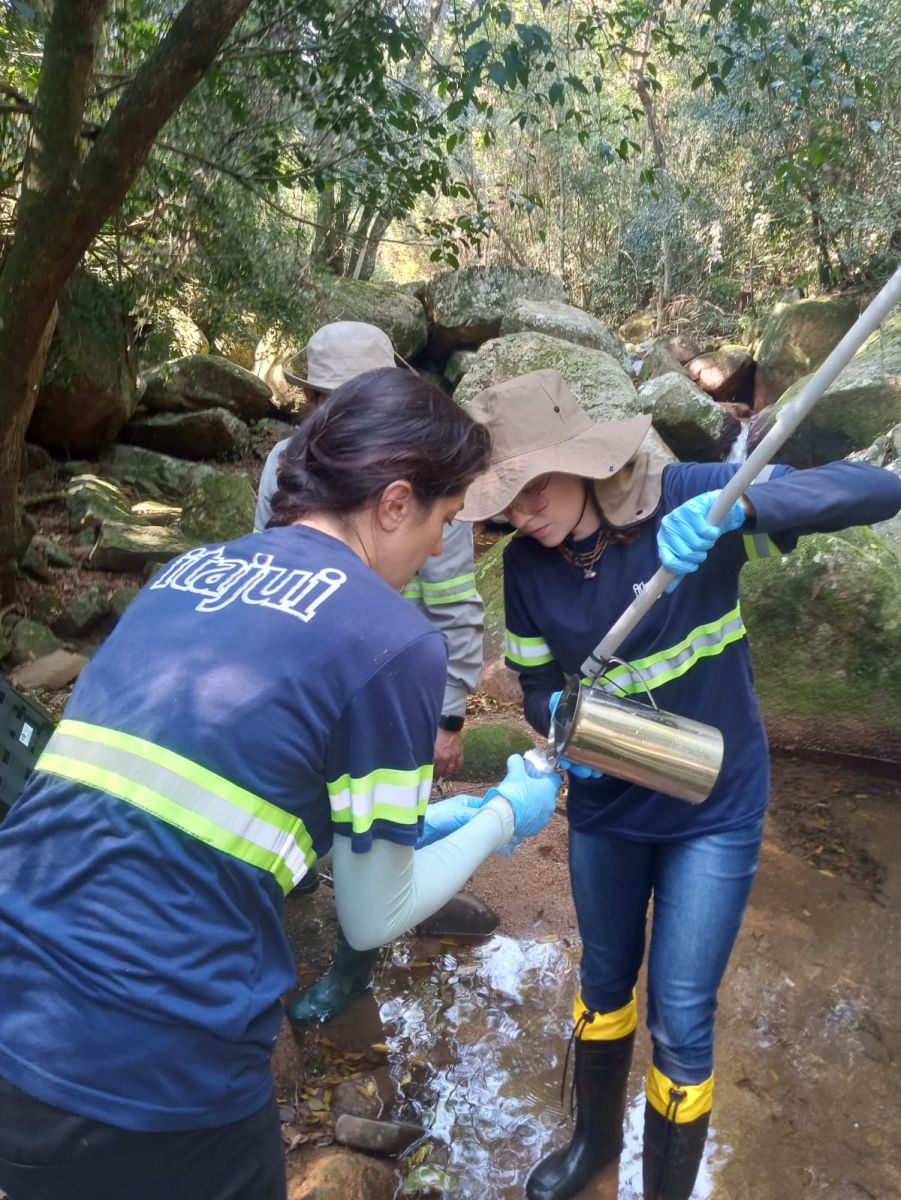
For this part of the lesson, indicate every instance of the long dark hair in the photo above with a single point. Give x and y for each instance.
(381, 426)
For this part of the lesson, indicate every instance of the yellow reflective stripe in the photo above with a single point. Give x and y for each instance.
(526, 651)
(697, 1099)
(453, 597)
(760, 545)
(383, 795)
(445, 584)
(705, 641)
(183, 794)
(413, 590)
(447, 591)
(606, 1027)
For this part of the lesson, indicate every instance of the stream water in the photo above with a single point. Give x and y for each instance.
(477, 1033)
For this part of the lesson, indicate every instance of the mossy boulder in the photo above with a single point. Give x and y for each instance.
(487, 747)
(466, 307)
(457, 365)
(219, 509)
(394, 310)
(797, 338)
(123, 547)
(693, 425)
(83, 614)
(150, 473)
(88, 391)
(202, 381)
(208, 433)
(659, 359)
(31, 640)
(91, 500)
(862, 404)
(825, 630)
(120, 598)
(638, 327)
(597, 380)
(567, 322)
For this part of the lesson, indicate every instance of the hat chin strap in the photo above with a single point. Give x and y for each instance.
(589, 493)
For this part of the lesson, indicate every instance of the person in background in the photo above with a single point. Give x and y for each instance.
(240, 721)
(444, 591)
(595, 515)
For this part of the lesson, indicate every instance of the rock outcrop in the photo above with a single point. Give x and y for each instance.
(466, 307)
(796, 339)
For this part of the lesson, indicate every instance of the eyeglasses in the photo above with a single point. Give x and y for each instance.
(532, 498)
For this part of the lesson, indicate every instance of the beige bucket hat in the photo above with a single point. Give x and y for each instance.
(340, 351)
(537, 426)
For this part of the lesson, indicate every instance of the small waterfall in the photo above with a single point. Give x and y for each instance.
(738, 451)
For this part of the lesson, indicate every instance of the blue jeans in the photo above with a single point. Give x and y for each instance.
(700, 888)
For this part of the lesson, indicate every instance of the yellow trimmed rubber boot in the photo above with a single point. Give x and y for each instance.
(349, 975)
(603, 1056)
(675, 1130)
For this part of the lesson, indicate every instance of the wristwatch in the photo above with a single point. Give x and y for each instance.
(450, 724)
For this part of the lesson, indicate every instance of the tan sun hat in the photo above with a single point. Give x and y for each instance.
(341, 351)
(537, 427)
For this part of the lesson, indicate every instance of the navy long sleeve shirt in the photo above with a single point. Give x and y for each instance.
(691, 648)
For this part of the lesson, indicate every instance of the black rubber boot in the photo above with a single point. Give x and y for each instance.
(601, 1075)
(348, 976)
(672, 1155)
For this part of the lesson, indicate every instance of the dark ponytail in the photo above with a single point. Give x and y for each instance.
(381, 426)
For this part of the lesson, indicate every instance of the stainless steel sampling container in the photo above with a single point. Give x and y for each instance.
(628, 740)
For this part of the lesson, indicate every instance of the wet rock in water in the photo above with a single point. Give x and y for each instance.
(723, 373)
(464, 915)
(337, 1173)
(487, 747)
(825, 631)
(31, 640)
(91, 500)
(862, 404)
(567, 322)
(797, 338)
(218, 509)
(693, 425)
(203, 381)
(376, 1137)
(152, 473)
(598, 381)
(356, 1098)
(83, 614)
(129, 547)
(207, 433)
(51, 672)
(466, 307)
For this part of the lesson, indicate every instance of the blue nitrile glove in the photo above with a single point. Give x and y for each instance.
(532, 797)
(564, 764)
(686, 535)
(446, 816)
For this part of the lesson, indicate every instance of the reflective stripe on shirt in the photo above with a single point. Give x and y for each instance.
(526, 651)
(760, 545)
(183, 794)
(382, 795)
(447, 591)
(666, 665)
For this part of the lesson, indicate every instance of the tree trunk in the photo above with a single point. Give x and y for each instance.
(819, 237)
(65, 201)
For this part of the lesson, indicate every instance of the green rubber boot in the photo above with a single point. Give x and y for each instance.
(349, 975)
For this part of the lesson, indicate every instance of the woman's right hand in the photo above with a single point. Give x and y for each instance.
(533, 798)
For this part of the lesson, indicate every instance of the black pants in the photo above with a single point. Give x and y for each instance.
(47, 1153)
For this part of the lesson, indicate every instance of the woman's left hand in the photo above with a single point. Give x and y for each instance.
(686, 536)
(446, 816)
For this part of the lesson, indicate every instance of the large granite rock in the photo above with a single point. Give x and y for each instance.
(123, 547)
(88, 391)
(861, 405)
(203, 381)
(693, 425)
(725, 373)
(219, 509)
(207, 433)
(658, 359)
(83, 613)
(153, 474)
(796, 339)
(596, 379)
(466, 307)
(567, 322)
(825, 630)
(91, 500)
(31, 640)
